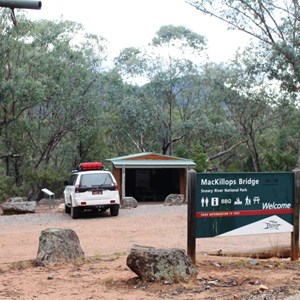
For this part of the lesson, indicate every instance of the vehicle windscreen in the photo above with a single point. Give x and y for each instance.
(96, 180)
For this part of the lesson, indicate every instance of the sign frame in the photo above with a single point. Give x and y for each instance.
(244, 203)
(191, 245)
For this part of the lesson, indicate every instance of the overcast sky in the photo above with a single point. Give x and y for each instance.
(133, 23)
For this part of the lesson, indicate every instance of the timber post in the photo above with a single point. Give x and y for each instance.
(295, 233)
(191, 232)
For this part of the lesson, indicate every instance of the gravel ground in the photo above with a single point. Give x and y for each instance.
(107, 240)
(45, 214)
(167, 224)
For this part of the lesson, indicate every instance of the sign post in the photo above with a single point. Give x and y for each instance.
(191, 215)
(295, 233)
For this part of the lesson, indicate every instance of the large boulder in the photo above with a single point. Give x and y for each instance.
(174, 199)
(18, 205)
(129, 202)
(58, 245)
(161, 265)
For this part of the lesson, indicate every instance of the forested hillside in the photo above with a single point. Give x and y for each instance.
(62, 102)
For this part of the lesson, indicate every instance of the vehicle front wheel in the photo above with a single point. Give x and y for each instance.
(67, 209)
(114, 210)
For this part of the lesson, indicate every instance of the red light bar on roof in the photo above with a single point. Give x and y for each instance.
(88, 166)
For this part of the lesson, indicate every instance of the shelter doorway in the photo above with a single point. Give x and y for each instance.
(152, 184)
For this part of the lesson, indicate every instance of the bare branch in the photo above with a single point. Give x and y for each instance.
(222, 153)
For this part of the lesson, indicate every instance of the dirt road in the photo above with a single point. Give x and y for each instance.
(151, 225)
(106, 242)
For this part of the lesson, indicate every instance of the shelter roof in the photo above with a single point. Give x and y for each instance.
(151, 160)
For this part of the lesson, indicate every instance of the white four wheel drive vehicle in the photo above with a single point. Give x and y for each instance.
(91, 188)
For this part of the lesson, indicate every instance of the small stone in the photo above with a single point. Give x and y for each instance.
(213, 282)
(174, 199)
(129, 202)
(61, 208)
(268, 266)
(253, 262)
(263, 287)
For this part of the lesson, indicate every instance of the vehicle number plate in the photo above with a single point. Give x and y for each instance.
(97, 192)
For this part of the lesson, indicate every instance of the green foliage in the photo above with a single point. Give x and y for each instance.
(50, 179)
(279, 161)
(181, 150)
(130, 62)
(200, 158)
(170, 34)
(9, 189)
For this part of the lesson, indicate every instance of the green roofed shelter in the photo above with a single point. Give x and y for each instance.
(149, 176)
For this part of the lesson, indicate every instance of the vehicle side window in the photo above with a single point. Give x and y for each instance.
(72, 179)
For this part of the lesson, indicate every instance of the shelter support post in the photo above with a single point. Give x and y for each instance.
(123, 182)
(186, 185)
(191, 243)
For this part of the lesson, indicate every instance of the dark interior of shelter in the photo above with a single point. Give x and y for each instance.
(152, 185)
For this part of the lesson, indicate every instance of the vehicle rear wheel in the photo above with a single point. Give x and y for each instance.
(114, 210)
(74, 212)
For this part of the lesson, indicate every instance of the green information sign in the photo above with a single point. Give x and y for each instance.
(244, 203)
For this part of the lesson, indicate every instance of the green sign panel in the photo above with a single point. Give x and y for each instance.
(244, 203)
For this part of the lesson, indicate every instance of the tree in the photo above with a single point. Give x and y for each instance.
(163, 67)
(19, 91)
(252, 114)
(50, 90)
(281, 143)
(69, 72)
(274, 24)
(211, 127)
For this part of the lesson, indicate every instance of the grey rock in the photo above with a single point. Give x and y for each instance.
(16, 199)
(58, 245)
(129, 202)
(174, 199)
(161, 265)
(18, 207)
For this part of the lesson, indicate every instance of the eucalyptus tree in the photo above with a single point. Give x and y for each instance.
(50, 90)
(19, 90)
(281, 144)
(105, 136)
(275, 25)
(161, 68)
(213, 133)
(68, 66)
(251, 108)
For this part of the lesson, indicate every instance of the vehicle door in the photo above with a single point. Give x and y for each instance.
(70, 188)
